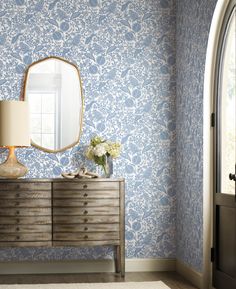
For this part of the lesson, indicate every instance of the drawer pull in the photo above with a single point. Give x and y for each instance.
(85, 186)
(18, 229)
(85, 212)
(85, 229)
(17, 195)
(85, 203)
(17, 212)
(17, 221)
(85, 195)
(17, 237)
(85, 237)
(85, 220)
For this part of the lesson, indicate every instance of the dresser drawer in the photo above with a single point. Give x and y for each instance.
(11, 237)
(20, 244)
(85, 243)
(85, 228)
(14, 220)
(70, 194)
(28, 186)
(85, 211)
(25, 228)
(24, 195)
(86, 203)
(85, 219)
(85, 236)
(25, 212)
(85, 185)
(26, 203)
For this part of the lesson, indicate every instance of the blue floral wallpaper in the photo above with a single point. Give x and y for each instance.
(193, 25)
(125, 51)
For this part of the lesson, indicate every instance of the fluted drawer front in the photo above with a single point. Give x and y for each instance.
(26, 203)
(86, 219)
(80, 211)
(34, 220)
(28, 186)
(25, 228)
(25, 195)
(85, 236)
(86, 185)
(25, 212)
(25, 237)
(20, 244)
(84, 243)
(86, 228)
(70, 194)
(86, 203)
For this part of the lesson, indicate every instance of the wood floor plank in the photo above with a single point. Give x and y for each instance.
(171, 279)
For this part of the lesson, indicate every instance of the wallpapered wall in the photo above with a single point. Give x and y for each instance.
(193, 25)
(126, 54)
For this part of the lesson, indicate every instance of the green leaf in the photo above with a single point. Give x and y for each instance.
(100, 160)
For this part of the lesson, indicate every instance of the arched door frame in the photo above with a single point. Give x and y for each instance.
(208, 108)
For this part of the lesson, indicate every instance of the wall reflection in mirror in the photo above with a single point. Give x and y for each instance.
(54, 92)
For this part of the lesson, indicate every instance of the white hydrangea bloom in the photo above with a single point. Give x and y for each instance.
(114, 149)
(100, 149)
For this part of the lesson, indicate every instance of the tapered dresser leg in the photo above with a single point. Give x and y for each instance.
(117, 259)
(122, 260)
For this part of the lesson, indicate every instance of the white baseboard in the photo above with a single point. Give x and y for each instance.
(91, 266)
(150, 265)
(190, 274)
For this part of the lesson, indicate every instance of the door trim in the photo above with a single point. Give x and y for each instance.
(208, 108)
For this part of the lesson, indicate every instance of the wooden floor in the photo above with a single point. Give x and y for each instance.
(171, 279)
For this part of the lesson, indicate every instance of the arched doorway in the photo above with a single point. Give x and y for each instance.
(219, 149)
(224, 174)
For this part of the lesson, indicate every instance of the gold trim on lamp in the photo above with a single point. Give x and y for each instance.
(14, 132)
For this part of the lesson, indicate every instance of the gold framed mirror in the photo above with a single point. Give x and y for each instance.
(53, 88)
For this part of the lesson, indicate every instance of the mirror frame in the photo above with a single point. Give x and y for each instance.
(23, 94)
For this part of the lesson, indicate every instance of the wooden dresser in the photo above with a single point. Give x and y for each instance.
(61, 212)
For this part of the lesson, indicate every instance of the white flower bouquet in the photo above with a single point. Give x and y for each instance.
(100, 150)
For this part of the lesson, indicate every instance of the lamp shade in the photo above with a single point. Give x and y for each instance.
(14, 123)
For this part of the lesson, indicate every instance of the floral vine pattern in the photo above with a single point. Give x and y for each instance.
(193, 26)
(125, 51)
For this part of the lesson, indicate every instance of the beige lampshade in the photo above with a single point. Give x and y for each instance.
(14, 123)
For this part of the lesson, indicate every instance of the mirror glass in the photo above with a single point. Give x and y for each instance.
(54, 91)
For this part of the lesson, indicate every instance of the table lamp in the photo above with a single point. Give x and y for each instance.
(14, 132)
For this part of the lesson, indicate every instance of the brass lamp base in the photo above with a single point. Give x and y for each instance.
(11, 168)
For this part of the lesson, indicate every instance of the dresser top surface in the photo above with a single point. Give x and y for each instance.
(62, 180)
